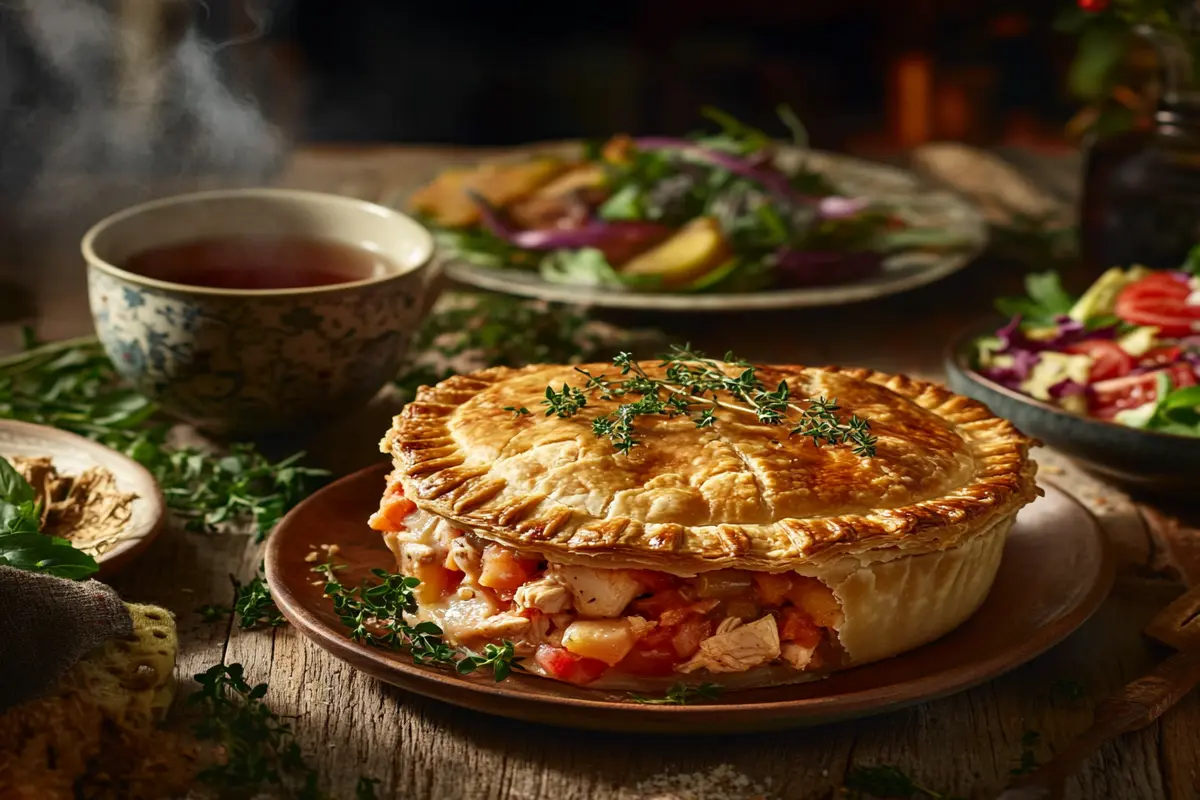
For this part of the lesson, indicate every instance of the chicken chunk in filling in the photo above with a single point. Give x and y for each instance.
(579, 623)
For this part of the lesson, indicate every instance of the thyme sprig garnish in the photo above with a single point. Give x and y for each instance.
(680, 695)
(374, 614)
(696, 386)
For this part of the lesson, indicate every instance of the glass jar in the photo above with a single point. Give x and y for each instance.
(1141, 194)
(1141, 188)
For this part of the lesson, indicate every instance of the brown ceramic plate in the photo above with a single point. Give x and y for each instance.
(71, 455)
(1030, 609)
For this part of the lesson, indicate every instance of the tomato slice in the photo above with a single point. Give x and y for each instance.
(1108, 359)
(567, 666)
(1161, 356)
(1118, 394)
(1160, 300)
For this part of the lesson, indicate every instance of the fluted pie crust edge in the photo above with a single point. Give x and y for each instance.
(441, 474)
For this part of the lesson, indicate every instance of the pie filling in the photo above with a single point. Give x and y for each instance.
(579, 623)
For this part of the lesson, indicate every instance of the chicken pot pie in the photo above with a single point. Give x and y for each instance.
(718, 547)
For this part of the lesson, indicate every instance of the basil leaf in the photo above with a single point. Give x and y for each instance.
(19, 518)
(36, 552)
(13, 488)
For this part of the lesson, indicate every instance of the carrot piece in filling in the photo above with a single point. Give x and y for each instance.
(797, 626)
(504, 570)
(393, 508)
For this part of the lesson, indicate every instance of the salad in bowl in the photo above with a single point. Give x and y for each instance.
(1126, 351)
(731, 210)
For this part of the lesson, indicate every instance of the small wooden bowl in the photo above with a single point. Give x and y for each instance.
(71, 455)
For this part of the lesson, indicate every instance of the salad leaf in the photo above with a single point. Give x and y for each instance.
(1046, 300)
(587, 267)
(1191, 264)
(713, 277)
(21, 544)
(624, 204)
(793, 124)
(481, 247)
(1173, 410)
(735, 136)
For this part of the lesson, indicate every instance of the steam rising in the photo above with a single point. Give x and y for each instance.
(98, 106)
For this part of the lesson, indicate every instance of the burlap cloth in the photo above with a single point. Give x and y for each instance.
(46, 625)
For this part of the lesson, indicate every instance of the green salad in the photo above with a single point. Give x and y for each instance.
(1127, 350)
(714, 211)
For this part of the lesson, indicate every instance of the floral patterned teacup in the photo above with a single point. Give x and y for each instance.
(247, 362)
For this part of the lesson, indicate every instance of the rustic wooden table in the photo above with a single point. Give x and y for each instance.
(966, 744)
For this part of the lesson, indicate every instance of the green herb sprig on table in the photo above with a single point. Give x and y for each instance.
(254, 605)
(22, 545)
(258, 751)
(374, 615)
(694, 386)
(72, 385)
(365, 788)
(680, 695)
(1027, 761)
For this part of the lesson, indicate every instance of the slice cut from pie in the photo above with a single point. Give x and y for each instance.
(721, 544)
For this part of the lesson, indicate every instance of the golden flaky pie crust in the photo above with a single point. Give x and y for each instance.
(737, 494)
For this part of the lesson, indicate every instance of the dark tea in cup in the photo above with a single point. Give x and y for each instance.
(261, 263)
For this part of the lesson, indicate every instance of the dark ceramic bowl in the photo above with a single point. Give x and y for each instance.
(1158, 462)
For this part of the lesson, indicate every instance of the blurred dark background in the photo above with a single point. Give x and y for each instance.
(864, 75)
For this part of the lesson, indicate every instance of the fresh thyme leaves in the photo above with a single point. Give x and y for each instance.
(72, 385)
(258, 750)
(518, 412)
(254, 605)
(23, 545)
(680, 695)
(693, 386)
(242, 486)
(500, 658)
(885, 781)
(564, 403)
(1028, 758)
(374, 614)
